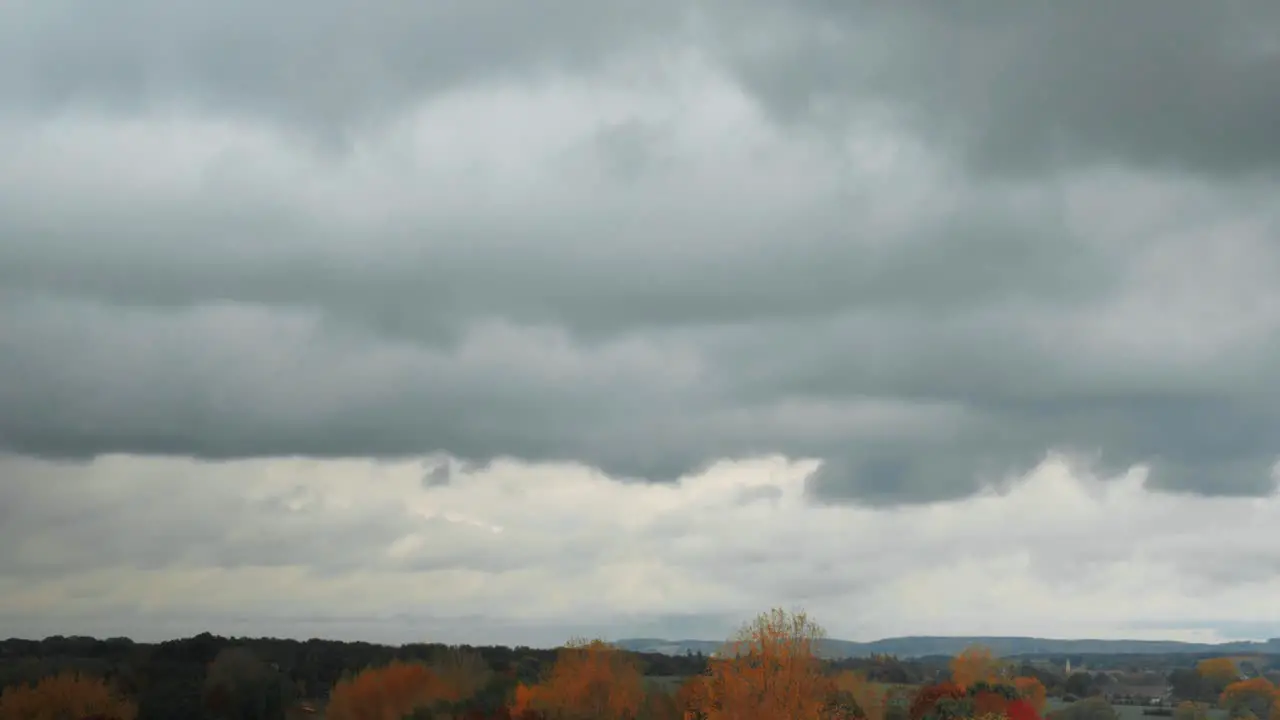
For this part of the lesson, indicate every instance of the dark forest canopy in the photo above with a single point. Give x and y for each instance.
(172, 678)
(168, 678)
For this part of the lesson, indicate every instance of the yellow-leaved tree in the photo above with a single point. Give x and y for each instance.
(1218, 673)
(770, 670)
(65, 695)
(976, 664)
(460, 674)
(869, 697)
(589, 681)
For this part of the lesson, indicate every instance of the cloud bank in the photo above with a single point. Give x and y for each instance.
(909, 253)
(512, 553)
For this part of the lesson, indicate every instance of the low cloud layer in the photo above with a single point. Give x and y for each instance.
(362, 549)
(913, 250)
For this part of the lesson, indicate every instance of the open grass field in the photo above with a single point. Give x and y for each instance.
(905, 689)
(671, 682)
(1132, 712)
(668, 683)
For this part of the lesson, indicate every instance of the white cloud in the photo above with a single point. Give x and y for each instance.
(549, 548)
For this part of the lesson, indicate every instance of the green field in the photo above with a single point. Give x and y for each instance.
(671, 682)
(1132, 712)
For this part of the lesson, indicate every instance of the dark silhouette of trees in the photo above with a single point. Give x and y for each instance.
(240, 686)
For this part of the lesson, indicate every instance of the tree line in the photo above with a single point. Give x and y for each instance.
(769, 669)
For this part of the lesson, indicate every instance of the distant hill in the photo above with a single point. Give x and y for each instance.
(908, 647)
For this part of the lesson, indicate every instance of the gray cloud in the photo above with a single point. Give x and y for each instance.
(331, 67)
(1069, 246)
(1167, 86)
(437, 473)
(1224, 629)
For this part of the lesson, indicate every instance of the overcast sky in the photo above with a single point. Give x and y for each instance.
(499, 321)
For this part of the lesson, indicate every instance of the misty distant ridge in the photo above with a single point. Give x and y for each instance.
(908, 647)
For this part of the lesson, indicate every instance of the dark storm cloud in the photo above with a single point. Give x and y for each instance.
(1040, 86)
(931, 331)
(1164, 84)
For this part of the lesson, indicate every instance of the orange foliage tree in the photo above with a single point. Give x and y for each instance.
(589, 681)
(1255, 696)
(769, 670)
(980, 701)
(989, 703)
(1033, 691)
(66, 695)
(929, 697)
(660, 704)
(386, 693)
(460, 675)
(693, 697)
(867, 697)
(1218, 672)
(976, 664)
(524, 699)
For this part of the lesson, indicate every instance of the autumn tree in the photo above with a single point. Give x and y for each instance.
(1021, 709)
(1033, 691)
(1255, 696)
(1218, 673)
(460, 674)
(989, 702)
(590, 680)
(386, 693)
(769, 669)
(868, 699)
(976, 664)
(660, 704)
(65, 695)
(693, 697)
(524, 698)
(928, 698)
(981, 700)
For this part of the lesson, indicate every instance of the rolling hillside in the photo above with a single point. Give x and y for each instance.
(922, 646)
